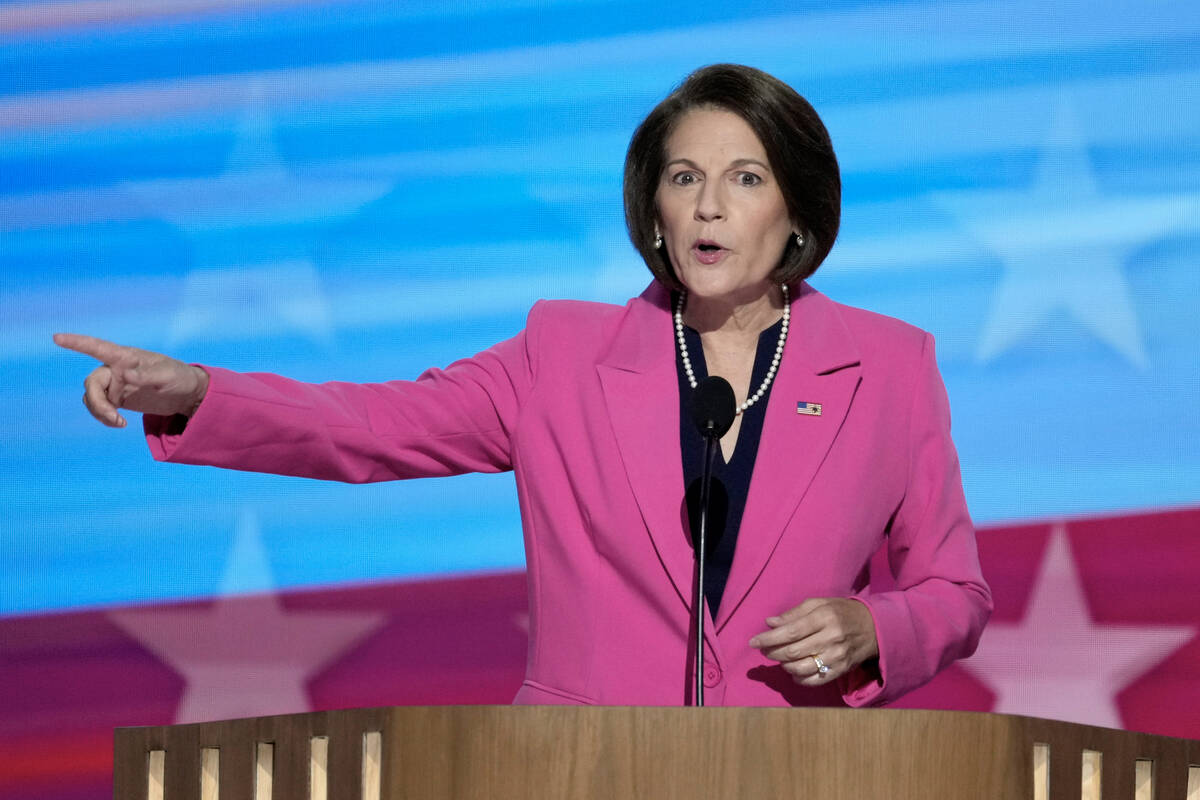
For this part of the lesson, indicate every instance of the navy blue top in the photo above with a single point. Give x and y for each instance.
(730, 481)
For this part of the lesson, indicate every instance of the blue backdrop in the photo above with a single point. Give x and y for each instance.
(357, 191)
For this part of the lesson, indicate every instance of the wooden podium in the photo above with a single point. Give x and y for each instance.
(613, 753)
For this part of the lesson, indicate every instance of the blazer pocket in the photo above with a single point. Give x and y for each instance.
(533, 693)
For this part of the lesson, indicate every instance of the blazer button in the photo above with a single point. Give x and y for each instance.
(712, 675)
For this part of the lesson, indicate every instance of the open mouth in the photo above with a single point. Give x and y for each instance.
(708, 252)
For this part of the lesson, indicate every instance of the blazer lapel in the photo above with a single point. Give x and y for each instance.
(820, 364)
(640, 386)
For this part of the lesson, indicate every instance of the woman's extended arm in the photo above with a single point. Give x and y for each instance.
(446, 422)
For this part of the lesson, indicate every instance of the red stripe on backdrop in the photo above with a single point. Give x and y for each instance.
(1139, 572)
(1120, 592)
(66, 757)
(1096, 621)
(66, 680)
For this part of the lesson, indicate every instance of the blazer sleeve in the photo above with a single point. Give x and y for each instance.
(940, 603)
(446, 422)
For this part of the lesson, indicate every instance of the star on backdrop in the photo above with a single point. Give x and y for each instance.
(243, 286)
(245, 655)
(1057, 663)
(1062, 243)
(253, 301)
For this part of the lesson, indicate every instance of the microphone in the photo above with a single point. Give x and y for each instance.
(713, 410)
(713, 406)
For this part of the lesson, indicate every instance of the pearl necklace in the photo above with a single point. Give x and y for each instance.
(687, 362)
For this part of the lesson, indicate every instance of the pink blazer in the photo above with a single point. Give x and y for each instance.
(583, 406)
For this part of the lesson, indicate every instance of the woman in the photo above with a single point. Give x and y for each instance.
(841, 443)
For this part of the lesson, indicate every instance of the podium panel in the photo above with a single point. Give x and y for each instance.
(572, 752)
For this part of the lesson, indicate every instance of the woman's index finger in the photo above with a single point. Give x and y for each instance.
(99, 349)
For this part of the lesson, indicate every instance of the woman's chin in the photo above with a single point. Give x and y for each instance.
(720, 291)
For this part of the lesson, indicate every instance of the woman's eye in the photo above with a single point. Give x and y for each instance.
(685, 178)
(748, 179)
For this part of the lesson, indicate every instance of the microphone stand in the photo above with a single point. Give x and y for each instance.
(710, 442)
(713, 411)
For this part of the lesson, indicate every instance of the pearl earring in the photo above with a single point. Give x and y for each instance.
(799, 240)
(657, 240)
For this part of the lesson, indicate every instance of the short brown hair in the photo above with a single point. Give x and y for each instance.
(797, 145)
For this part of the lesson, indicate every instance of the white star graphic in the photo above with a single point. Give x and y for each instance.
(263, 283)
(245, 656)
(1059, 664)
(257, 189)
(252, 301)
(1062, 242)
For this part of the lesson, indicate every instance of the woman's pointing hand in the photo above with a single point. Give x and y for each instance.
(138, 380)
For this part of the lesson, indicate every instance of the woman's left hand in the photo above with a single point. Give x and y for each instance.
(836, 630)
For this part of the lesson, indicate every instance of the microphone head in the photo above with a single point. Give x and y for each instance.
(713, 406)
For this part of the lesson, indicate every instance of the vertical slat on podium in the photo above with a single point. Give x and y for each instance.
(156, 761)
(1091, 777)
(1143, 780)
(372, 753)
(318, 768)
(1041, 756)
(264, 770)
(210, 773)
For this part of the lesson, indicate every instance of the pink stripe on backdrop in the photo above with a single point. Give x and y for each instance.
(30, 17)
(67, 679)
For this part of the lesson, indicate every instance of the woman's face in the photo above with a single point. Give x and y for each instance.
(720, 210)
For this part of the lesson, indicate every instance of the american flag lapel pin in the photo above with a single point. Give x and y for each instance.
(811, 409)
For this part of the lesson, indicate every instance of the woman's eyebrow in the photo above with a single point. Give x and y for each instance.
(740, 162)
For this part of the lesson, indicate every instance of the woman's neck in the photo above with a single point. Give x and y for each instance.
(726, 318)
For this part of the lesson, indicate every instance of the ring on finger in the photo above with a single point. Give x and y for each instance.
(822, 667)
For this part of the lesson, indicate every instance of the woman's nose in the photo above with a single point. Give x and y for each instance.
(709, 203)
